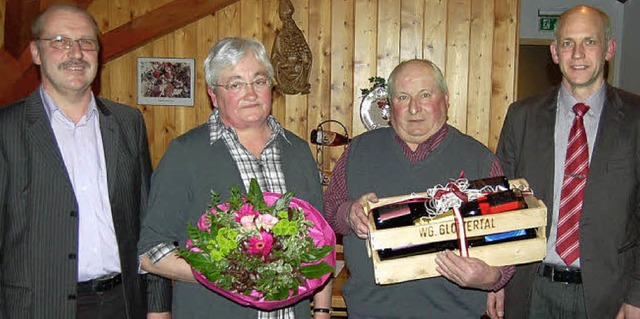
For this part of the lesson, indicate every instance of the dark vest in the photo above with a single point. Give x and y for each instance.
(377, 164)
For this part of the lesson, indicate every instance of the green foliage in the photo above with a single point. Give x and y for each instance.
(375, 81)
(255, 197)
(316, 271)
(316, 253)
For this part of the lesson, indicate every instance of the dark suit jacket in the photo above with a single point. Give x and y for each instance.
(611, 209)
(39, 213)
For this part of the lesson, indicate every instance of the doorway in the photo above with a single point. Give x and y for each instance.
(536, 70)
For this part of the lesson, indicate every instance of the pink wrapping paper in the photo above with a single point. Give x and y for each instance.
(321, 233)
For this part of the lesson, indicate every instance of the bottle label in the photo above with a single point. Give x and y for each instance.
(325, 138)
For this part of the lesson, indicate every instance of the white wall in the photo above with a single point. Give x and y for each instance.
(613, 8)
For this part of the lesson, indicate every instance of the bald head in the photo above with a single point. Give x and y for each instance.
(40, 21)
(423, 63)
(596, 15)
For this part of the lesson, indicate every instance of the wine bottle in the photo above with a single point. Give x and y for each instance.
(328, 138)
(493, 203)
(400, 214)
(495, 182)
(409, 212)
(392, 253)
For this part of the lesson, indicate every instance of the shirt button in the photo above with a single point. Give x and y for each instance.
(71, 297)
(73, 213)
(72, 256)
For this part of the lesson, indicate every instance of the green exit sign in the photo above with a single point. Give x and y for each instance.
(547, 23)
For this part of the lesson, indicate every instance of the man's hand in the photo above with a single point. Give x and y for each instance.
(357, 218)
(495, 304)
(467, 271)
(628, 311)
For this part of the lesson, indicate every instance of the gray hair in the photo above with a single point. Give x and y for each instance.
(606, 22)
(37, 25)
(437, 74)
(227, 52)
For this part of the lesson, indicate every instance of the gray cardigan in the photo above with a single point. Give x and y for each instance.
(181, 192)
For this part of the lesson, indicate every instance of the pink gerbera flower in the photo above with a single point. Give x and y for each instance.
(261, 245)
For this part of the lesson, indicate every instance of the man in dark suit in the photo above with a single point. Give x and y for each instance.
(592, 270)
(74, 177)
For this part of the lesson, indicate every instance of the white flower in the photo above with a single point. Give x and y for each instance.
(266, 221)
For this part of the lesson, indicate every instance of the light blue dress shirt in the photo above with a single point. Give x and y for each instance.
(564, 120)
(82, 151)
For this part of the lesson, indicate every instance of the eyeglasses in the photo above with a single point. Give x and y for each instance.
(239, 86)
(62, 43)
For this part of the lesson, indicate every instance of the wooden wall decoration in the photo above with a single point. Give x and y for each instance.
(473, 41)
(290, 55)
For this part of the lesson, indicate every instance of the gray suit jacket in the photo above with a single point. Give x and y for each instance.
(610, 218)
(39, 213)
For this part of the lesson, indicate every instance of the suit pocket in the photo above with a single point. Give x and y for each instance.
(620, 165)
(631, 238)
(626, 246)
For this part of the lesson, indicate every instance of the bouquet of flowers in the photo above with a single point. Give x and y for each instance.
(263, 250)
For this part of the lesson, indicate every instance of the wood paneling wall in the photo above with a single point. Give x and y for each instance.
(2, 16)
(473, 41)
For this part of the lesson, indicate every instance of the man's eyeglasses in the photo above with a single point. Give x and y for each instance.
(63, 43)
(239, 86)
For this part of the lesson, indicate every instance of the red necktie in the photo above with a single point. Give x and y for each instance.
(576, 168)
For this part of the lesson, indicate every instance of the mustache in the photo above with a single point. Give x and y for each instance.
(69, 63)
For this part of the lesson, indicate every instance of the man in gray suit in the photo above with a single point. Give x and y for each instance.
(74, 178)
(602, 279)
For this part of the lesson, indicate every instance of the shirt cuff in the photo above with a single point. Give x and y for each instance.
(342, 225)
(156, 254)
(506, 272)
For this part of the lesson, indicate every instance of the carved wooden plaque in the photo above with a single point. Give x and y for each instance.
(290, 56)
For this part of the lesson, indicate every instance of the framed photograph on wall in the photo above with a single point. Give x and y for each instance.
(166, 81)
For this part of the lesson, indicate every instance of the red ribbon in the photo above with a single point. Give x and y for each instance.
(451, 188)
(460, 232)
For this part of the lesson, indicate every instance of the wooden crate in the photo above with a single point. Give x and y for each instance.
(443, 229)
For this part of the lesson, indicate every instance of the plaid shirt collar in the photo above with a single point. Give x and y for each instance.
(217, 128)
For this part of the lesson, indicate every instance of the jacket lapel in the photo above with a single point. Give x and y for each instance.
(607, 143)
(544, 121)
(41, 135)
(110, 141)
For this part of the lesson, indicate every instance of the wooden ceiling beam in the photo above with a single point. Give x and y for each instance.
(44, 4)
(156, 23)
(19, 16)
(17, 24)
(22, 76)
(16, 74)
